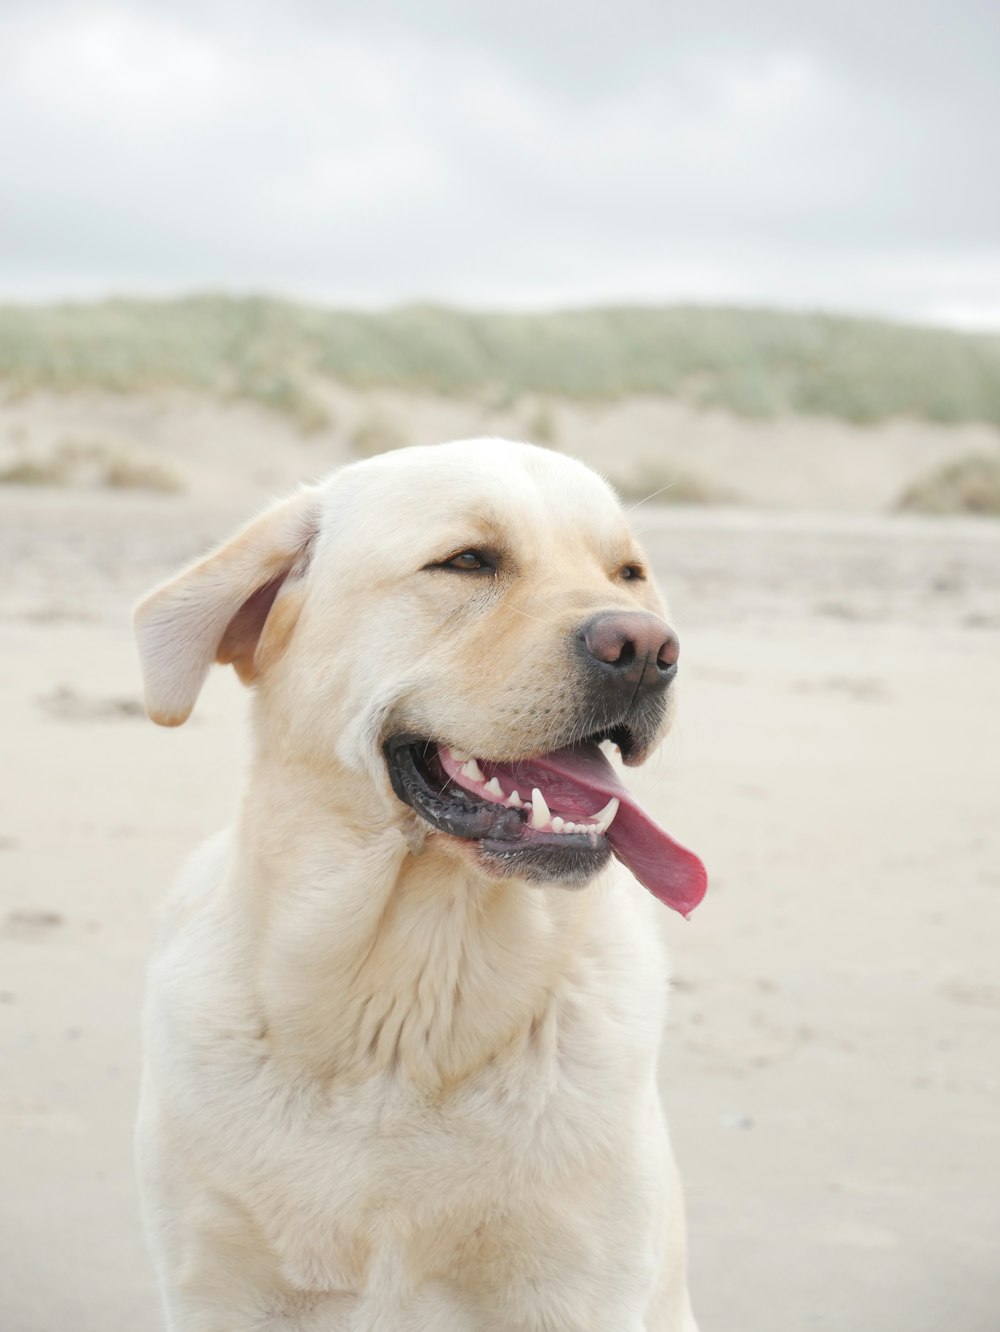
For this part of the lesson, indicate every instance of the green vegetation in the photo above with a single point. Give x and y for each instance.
(92, 464)
(970, 485)
(753, 362)
(542, 428)
(375, 434)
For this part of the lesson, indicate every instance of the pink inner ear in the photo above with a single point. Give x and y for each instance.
(239, 643)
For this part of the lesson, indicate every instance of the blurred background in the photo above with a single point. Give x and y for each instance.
(745, 260)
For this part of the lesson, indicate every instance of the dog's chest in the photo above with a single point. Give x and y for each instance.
(472, 1181)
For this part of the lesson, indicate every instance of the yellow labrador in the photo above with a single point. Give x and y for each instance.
(402, 1030)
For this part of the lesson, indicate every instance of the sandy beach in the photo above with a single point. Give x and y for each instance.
(832, 1067)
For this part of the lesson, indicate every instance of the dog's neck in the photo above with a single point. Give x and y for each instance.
(377, 957)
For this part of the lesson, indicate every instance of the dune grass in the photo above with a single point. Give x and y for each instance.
(969, 485)
(756, 363)
(94, 464)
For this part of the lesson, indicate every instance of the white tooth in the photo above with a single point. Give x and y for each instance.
(494, 788)
(604, 818)
(514, 800)
(539, 810)
(459, 755)
(472, 770)
(558, 824)
(570, 827)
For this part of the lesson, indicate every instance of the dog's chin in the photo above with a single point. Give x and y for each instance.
(533, 862)
(569, 867)
(501, 838)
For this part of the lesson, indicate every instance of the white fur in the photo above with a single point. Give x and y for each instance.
(384, 1092)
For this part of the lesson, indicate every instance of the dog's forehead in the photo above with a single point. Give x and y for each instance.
(490, 486)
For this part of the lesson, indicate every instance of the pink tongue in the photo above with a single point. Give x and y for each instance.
(670, 871)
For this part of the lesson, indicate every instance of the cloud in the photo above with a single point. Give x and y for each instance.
(789, 153)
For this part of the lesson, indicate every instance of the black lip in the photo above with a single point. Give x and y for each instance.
(452, 809)
(546, 862)
(506, 849)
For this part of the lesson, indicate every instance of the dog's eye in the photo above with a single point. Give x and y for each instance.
(472, 561)
(632, 573)
(469, 561)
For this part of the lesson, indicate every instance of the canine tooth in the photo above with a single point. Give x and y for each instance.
(514, 800)
(539, 809)
(605, 817)
(460, 756)
(493, 787)
(558, 824)
(472, 770)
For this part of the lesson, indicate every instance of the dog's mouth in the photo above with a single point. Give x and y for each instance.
(555, 817)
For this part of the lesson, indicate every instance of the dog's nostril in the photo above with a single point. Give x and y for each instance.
(669, 652)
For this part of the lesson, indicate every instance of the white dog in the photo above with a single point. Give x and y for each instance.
(402, 1030)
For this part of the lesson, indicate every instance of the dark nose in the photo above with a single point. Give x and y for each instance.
(633, 649)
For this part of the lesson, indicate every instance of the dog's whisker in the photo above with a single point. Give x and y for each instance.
(517, 611)
(632, 508)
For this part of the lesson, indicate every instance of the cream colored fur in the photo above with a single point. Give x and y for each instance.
(383, 1092)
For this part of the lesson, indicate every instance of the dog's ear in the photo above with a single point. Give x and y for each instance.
(217, 608)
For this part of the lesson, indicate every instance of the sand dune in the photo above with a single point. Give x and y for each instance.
(235, 452)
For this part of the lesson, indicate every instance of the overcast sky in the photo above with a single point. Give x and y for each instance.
(840, 154)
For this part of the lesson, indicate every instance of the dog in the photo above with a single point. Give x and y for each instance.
(402, 1026)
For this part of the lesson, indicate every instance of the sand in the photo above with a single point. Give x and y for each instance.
(832, 1067)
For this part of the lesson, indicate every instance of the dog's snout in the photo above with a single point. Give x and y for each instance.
(633, 649)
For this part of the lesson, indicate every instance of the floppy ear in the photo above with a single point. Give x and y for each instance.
(216, 609)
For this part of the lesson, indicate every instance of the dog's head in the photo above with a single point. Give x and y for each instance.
(456, 630)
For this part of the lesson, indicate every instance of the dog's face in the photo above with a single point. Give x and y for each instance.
(453, 629)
